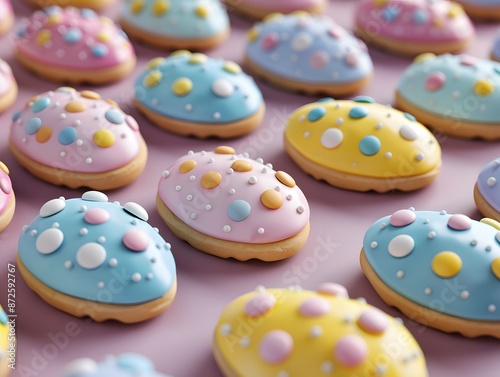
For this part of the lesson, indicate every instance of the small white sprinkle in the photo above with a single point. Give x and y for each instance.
(62, 116)
(378, 126)
(208, 207)
(260, 288)
(246, 155)
(260, 160)
(302, 118)
(269, 165)
(374, 244)
(300, 210)
(361, 299)
(260, 230)
(339, 121)
(188, 107)
(252, 180)
(400, 274)
(225, 329)
(25, 228)
(488, 248)
(101, 239)
(83, 231)
(133, 222)
(55, 225)
(88, 160)
(419, 157)
(113, 262)
(211, 160)
(388, 155)
(79, 142)
(383, 226)
(473, 242)
(78, 122)
(226, 228)
(289, 197)
(217, 115)
(491, 181)
(264, 170)
(189, 197)
(307, 134)
(426, 221)
(178, 188)
(230, 171)
(194, 216)
(245, 341)
(83, 208)
(149, 276)
(277, 188)
(399, 320)
(100, 285)
(165, 173)
(492, 308)
(68, 265)
(232, 192)
(327, 367)
(283, 373)
(136, 277)
(190, 152)
(192, 178)
(464, 295)
(443, 212)
(316, 331)
(156, 229)
(427, 291)
(431, 234)
(455, 94)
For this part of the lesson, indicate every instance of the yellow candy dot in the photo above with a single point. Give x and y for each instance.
(180, 52)
(241, 166)
(300, 13)
(43, 37)
(253, 34)
(201, 11)
(155, 63)
(285, 178)
(232, 67)
(103, 37)
(455, 10)
(182, 86)
(104, 138)
(224, 150)
(153, 78)
(160, 7)
(75, 107)
(4, 168)
(106, 21)
(54, 19)
(271, 199)
(44, 134)
(424, 57)
(112, 103)
(211, 180)
(272, 16)
(90, 94)
(137, 6)
(446, 264)
(495, 267)
(379, 3)
(483, 87)
(198, 58)
(187, 166)
(495, 224)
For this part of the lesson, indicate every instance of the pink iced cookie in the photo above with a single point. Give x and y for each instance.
(7, 198)
(77, 139)
(8, 86)
(6, 16)
(412, 27)
(229, 205)
(74, 45)
(258, 9)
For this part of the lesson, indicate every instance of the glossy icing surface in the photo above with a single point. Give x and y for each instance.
(6, 191)
(308, 48)
(196, 88)
(124, 365)
(74, 39)
(75, 131)
(488, 183)
(6, 77)
(423, 21)
(282, 6)
(448, 263)
(179, 19)
(298, 333)
(232, 197)
(98, 251)
(363, 138)
(454, 86)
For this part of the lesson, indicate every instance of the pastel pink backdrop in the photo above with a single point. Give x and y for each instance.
(179, 340)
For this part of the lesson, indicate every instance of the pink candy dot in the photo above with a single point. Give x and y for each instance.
(276, 346)
(96, 216)
(319, 59)
(270, 41)
(336, 32)
(5, 186)
(435, 81)
(467, 60)
(333, 289)
(459, 222)
(373, 321)
(402, 217)
(135, 240)
(351, 350)
(314, 307)
(352, 59)
(260, 305)
(132, 123)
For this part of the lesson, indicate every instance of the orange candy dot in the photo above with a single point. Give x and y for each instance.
(241, 166)
(90, 94)
(75, 107)
(187, 166)
(271, 199)
(44, 134)
(211, 180)
(112, 103)
(224, 150)
(285, 178)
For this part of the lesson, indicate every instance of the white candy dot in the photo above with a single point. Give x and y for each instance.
(80, 367)
(208, 207)
(428, 291)
(178, 188)
(136, 277)
(245, 341)
(49, 241)
(136, 210)
(100, 285)
(222, 88)
(492, 308)
(400, 274)
(226, 228)
(407, 132)
(374, 244)
(84, 231)
(225, 329)
(491, 181)
(316, 331)
(68, 265)
(464, 295)
(252, 180)
(332, 138)
(400, 246)
(300, 209)
(431, 234)
(113, 262)
(91, 255)
(95, 196)
(327, 367)
(52, 207)
(301, 42)
(260, 231)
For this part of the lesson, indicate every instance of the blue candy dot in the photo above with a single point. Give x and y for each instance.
(410, 117)
(364, 99)
(420, 16)
(3, 317)
(41, 104)
(88, 13)
(52, 10)
(21, 32)
(369, 145)
(33, 125)
(16, 115)
(73, 35)
(326, 99)
(99, 50)
(358, 112)
(239, 210)
(114, 116)
(316, 114)
(134, 363)
(67, 135)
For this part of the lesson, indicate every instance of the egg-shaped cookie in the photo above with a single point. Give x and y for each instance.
(74, 45)
(6, 16)
(7, 345)
(413, 27)
(77, 139)
(192, 94)
(439, 269)
(176, 24)
(488, 10)
(232, 206)
(454, 94)
(7, 197)
(97, 5)
(361, 145)
(296, 333)
(258, 9)
(495, 48)
(487, 190)
(305, 53)
(91, 257)
(8, 86)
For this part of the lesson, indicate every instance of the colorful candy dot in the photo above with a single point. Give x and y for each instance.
(137, 6)
(495, 267)
(33, 125)
(467, 60)
(115, 116)
(100, 50)
(358, 112)
(182, 86)
(332, 138)
(427, 56)
(187, 166)
(373, 321)
(410, 117)
(407, 132)
(135, 240)
(103, 37)
(96, 216)
(271, 199)
(369, 145)
(91, 256)
(75, 107)
(483, 87)
(136, 210)
(333, 289)
(316, 114)
(104, 138)
(435, 81)
(49, 241)
(270, 41)
(241, 166)
(160, 7)
(446, 264)
(90, 95)
(459, 222)
(152, 79)
(259, 305)
(350, 350)
(4, 168)
(211, 180)
(301, 42)
(41, 104)
(352, 59)
(155, 63)
(232, 67)
(276, 346)
(420, 16)
(52, 207)
(402, 217)
(314, 307)
(43, 37)
(319, 59)
(201, 11)
(285, 178)
(253, 34)
(401, 245)
(95, 196)
(16, 116)
(73, 35)
(239, 210)
(224, 150)
(197, 58)
(363, 99)
(67, 135)
(222, 88)
(5, 186)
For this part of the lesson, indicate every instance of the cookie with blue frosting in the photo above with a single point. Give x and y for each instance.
(123, 365)
(487, 190)
(454, 94)
(191, 94)
(495, 49)
(439, 269)
(176, 24)
(305, 53)
(488, 10)
(91, 257)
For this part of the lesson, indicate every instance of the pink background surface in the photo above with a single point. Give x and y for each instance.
(179, 340)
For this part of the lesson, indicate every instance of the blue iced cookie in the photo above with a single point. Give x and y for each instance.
(454, 94)
(194, 95)
(439, 269)
(176, 24)
(91, 257)
(300, 52)
(487, 190)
